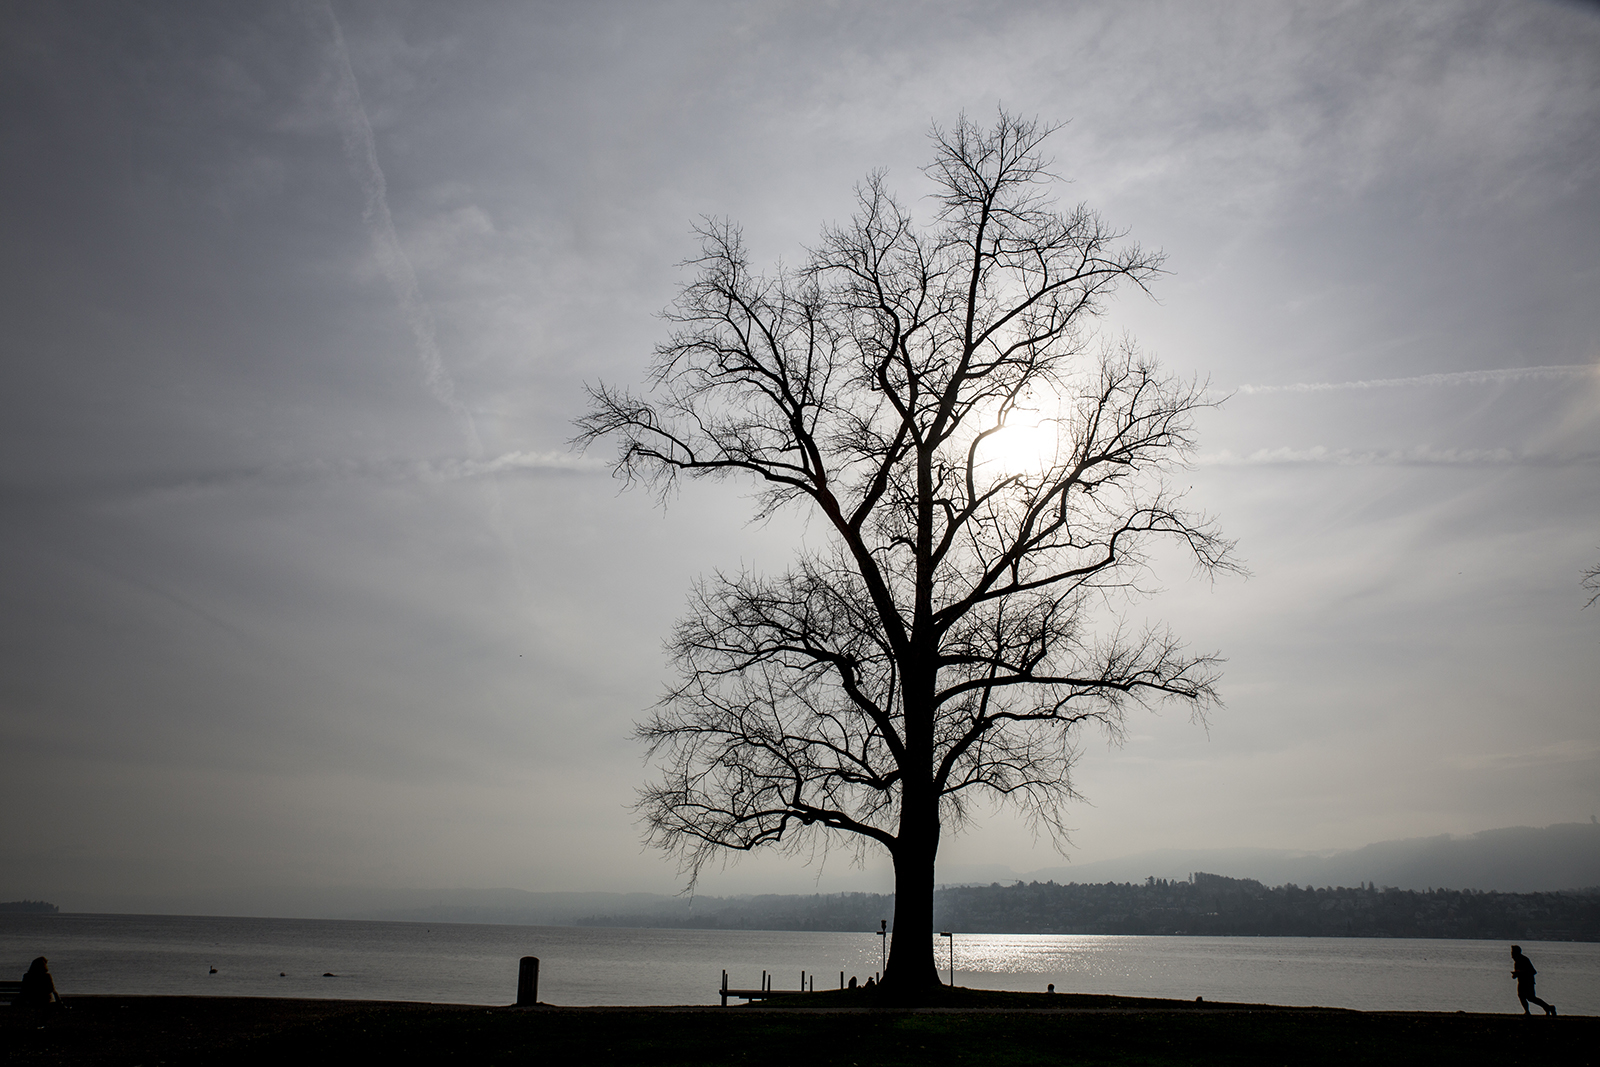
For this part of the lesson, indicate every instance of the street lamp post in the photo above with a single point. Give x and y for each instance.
(952, 937)
(883, 932)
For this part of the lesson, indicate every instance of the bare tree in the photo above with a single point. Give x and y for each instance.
(1591, 582)
(961, 626)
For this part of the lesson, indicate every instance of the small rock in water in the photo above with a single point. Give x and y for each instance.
(329, 974)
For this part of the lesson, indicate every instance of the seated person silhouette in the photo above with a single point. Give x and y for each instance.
(1522, 970)
(38, 988)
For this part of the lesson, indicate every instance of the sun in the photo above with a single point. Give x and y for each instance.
(1028, 443)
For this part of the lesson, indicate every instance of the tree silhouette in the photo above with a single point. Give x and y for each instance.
(960, 627)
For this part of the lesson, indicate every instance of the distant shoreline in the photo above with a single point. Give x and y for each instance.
(1206, 905)
(1240, 910)
(28, 907)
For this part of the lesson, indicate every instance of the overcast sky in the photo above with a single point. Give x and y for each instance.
(300, 586)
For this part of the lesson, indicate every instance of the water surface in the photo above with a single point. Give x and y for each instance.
(477, 964)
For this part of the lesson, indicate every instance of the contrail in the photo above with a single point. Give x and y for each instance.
(1470, 377)
(361, 150)
(186, 484)
(1419, 456)
(453, 470)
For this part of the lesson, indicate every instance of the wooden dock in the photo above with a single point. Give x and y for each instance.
(766, 992)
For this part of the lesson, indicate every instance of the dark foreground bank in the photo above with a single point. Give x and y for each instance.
(1001, 1029)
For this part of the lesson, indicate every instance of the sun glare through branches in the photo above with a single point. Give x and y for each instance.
(1025, 440)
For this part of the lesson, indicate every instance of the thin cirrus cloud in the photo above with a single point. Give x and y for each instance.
(432, 471)
(1416, 456)
(1471, 377)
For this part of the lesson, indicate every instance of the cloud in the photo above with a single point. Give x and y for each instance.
(211, 401)
(1471, 377)
(1415, 456)
(1560, 752)
(389, 471)
(510, 462)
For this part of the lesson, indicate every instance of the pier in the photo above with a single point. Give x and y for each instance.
(766, 992)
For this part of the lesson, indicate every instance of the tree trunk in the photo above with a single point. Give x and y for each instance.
(912, 976)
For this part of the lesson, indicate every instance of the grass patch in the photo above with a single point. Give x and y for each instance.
(994, 1028)
(892, 1038)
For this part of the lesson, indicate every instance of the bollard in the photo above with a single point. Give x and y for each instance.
(528, 982)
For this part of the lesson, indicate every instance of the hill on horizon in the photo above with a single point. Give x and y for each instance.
(1514, 859)
(1565, 856)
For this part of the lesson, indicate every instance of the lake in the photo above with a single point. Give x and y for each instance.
(477, 964)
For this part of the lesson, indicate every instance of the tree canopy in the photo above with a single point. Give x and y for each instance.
(992, 475)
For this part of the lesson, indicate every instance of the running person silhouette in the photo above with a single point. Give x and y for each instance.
(1522, 970)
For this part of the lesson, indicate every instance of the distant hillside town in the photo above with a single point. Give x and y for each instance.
(1207, 904)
